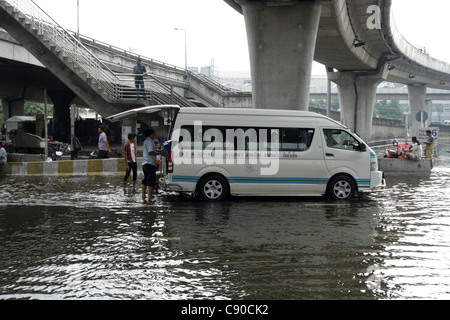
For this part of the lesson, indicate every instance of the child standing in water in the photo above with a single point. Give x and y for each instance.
(130, 161)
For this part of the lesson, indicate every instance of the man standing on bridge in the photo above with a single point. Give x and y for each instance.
(139, 80)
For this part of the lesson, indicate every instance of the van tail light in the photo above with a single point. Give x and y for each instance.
(170, 163)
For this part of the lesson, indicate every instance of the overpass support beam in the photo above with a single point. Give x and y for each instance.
(282, 41)
(417, 104)
(12, 108)
(61, 114)
(357, 97)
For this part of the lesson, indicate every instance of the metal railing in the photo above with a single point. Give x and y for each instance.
(81, 60)
(70, 47)
(148, 89)
(110, 49)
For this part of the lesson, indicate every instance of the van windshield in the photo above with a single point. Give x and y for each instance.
(340, 139)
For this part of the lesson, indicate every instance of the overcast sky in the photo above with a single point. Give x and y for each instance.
(214, 30)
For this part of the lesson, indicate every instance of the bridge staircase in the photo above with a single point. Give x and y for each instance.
(80, 70)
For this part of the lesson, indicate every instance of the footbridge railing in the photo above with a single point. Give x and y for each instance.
(78, 58)
(30, 13)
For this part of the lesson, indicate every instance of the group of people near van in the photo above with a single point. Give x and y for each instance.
(151, 152)
(151, 160)
(416, 151)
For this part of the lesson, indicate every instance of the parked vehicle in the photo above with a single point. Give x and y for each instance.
(215, 153)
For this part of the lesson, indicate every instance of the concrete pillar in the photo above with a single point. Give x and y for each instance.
(417, 96)
(357, 97)
(5, 110)
(132, 123)
(61, 114)
(428, 110)
(282, 41)
(12, 108)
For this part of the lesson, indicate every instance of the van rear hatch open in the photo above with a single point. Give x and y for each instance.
(169, 112)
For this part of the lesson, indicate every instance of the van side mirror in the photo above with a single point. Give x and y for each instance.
(362, 147)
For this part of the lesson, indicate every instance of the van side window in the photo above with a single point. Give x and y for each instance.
(293, 139)
(186, 138)
(242, 138)
(340, 139)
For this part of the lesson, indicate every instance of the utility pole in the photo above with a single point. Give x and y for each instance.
(78, 20)
(185, 50)
(45, 125)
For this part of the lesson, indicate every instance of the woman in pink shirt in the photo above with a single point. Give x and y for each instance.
(130, 161)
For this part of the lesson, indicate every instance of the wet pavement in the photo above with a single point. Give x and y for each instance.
(82, 238)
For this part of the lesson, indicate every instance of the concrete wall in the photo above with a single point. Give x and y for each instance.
(105, 167)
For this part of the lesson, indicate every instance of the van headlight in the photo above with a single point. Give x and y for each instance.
(374, 166)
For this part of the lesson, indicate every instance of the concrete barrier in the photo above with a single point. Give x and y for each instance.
(402, 167)
(92, 167)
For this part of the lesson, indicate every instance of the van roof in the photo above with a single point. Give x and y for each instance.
(257, 112)
(252, 112)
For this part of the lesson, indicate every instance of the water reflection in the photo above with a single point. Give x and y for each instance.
(81, 238)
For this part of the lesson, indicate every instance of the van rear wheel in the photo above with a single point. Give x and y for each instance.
(213, 188)
(341, 188)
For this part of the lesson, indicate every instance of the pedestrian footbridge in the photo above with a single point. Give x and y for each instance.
(78, 68)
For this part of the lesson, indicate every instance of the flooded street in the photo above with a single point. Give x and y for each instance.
(82, 238)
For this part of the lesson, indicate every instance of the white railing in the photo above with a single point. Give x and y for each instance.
(149, 89)
(121, 87)
(68, 44)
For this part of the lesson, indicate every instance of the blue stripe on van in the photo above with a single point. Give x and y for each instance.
(363, 182)
(254, 180)
(185, 179)
(278, 180)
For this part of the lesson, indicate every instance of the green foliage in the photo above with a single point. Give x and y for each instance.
(33, 108)
(389, 109)
(323, 104)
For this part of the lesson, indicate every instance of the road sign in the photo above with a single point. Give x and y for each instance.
(421, 116)
(422, 136)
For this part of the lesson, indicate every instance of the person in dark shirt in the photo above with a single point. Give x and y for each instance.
(139, 69)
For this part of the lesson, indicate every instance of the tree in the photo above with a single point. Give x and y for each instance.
(33, 108)
(389, 109)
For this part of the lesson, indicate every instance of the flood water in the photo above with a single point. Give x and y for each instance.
(82, 238)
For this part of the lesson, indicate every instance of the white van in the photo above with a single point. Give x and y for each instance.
(446, 122)
(215, 153)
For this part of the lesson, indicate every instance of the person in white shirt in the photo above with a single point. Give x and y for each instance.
(3, 155)
(415, 152)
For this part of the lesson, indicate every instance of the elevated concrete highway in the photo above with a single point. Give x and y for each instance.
(385, 91)
(357, 41)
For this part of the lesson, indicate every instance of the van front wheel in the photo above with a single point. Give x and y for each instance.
(213, 188)
(341, 188)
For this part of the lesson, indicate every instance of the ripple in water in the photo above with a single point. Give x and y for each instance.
(82, 238)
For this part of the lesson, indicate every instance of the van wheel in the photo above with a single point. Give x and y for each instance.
(341, 188)
(213, 188)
